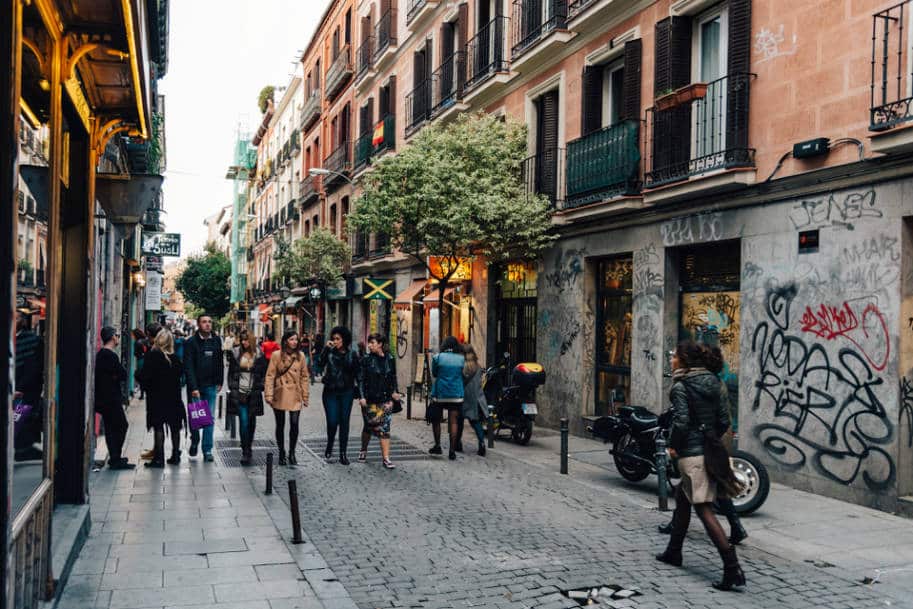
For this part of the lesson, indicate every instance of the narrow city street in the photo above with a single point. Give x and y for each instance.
(501, 531)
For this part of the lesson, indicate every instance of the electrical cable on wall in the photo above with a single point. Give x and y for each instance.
(831, 145)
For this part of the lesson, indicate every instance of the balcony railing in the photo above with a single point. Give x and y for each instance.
(892, 79)
(447, 83)
(310, 189)
(485, 53)
(418, 106)
(364, 149)
(575, 7)
(339, 162)
(365, 56)
(703, 135)
(311, 110)
(603, 164)
(414, 7)
(339, 73)
(534, 20)
(542, 174)
(385, 33)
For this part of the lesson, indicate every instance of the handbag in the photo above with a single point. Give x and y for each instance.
(397, 406)
(199, 415)
(21, 412)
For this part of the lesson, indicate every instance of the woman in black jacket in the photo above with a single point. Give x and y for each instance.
(699, 420)
(161, 375)
(377, 387)
(246, 373)
(339, 366)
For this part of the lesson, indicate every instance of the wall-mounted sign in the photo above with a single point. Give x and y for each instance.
(441, 265)
(153, 291)
(154, 263)
(162, 244)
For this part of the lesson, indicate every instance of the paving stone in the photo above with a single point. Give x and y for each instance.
(214, 546)
(211, 576)
(286, 588)
(125, 581)
(158, 597)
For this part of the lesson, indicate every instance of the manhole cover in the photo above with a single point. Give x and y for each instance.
(602, 595)
(399, 450)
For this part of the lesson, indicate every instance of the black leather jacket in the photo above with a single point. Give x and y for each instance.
(697, 405)
(377, 378)
(339, 369)
(258, 372)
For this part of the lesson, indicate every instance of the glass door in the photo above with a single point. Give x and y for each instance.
(709, 114)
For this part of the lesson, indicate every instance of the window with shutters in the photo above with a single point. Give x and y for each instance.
(542, 170)
(709, 53)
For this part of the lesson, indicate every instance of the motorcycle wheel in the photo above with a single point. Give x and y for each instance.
(753, 475)
(631, 471)
(522, 433)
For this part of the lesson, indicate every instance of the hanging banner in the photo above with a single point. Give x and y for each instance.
(378, 137)
(379, 289)
(153, 291)
(372, 317)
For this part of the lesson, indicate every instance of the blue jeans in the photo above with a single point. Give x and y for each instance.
(208, 394)
(248, 425)
(338, 408)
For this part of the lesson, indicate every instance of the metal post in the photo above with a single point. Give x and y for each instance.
(233, 425)
(219, 399)
(269, 474)
(409, 403)
(662, 460)
(491, 427)
(296, 515)
(564, 432)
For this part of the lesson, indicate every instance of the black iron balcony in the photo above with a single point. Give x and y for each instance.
(414, 8)
(418, 106)
(701, 135)
(533, 20)
(603, 164)
(339, 162)
(364, 150)
(385, 33)
(485, 53)
(892, 80)
(447, 83)
(542, 173)
(310, 189)
(365, 57)
(339, 73)
(310, 112)
(575, 7)
(360, 246)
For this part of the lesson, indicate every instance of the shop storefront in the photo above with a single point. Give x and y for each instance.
(614, 302)
(517, 311)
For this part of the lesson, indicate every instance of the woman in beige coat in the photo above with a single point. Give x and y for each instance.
(286, 390)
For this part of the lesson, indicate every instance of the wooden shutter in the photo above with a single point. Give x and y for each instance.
(369, 115)
(547, 145)
(391, 93)
(383, 103)
(739, 64)
(672, 128)
(591, 112)
(630, 96)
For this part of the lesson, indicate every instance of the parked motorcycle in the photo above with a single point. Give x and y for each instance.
(633, 434)
(511, 396)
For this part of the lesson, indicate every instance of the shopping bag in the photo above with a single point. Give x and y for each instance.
(21, 412)
(199, 415)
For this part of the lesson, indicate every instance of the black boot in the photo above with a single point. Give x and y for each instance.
(673, 554)
(292, 460)
(665, 529)
(737, 533)
(732, 573)
(282, 460)
(175, 458)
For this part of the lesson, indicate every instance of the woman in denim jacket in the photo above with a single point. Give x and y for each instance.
(447, 370)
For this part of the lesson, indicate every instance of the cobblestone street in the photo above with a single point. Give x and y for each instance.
(498, 532)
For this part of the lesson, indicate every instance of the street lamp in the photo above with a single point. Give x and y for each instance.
(320, 171)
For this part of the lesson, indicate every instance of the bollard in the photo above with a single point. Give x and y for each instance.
(409, 403)
(233, 426)
(296, 515)
(662, 460)
(269, 474)
(564, 432)
(220, 398)
(491, 427)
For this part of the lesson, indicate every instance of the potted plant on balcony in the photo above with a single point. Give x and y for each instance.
(666, 100)
(689, 93)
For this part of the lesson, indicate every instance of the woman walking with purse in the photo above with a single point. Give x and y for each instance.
(161, 375)
(339, 366)
(246, 375)
(287, 389)
(699, 421)
(475, 408)
(377, 388)
(447, 393)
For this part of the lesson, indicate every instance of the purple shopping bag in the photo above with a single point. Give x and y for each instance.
(199, 415)
(21, 412)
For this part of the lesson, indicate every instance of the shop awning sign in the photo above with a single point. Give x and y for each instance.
(162, 244)
(379, 289)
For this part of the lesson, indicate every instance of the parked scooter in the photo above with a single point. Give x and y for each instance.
(511, 395)
(633, 434)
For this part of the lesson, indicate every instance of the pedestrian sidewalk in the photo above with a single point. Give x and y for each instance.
(193, 536)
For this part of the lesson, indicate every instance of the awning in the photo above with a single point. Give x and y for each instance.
(432, 296)
(292, 301)
(408, 296)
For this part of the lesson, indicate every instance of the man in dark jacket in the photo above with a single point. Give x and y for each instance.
(204, 369)
(109, 397)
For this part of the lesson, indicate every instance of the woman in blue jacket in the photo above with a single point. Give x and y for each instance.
(447, 370)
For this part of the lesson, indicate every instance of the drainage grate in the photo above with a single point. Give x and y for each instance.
(607, 595)
(399, 450)
(237, 444)
(231, 457)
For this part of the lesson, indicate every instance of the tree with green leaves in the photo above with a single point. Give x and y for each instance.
(320, 257)
(205, 282)
(266, 96)
(457, 191)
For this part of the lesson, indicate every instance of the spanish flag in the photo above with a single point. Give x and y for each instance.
(378, 138)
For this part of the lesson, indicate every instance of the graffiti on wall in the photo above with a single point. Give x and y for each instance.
(859, 321)
(567, 270)
(697, 228)
(839, 211)
(717, 313)
(767, 44)
(906, 408)
(402, 333)
(824, 408)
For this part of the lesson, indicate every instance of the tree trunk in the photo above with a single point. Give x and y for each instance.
(441, 287)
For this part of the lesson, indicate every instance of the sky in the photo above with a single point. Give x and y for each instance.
(220, 54)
